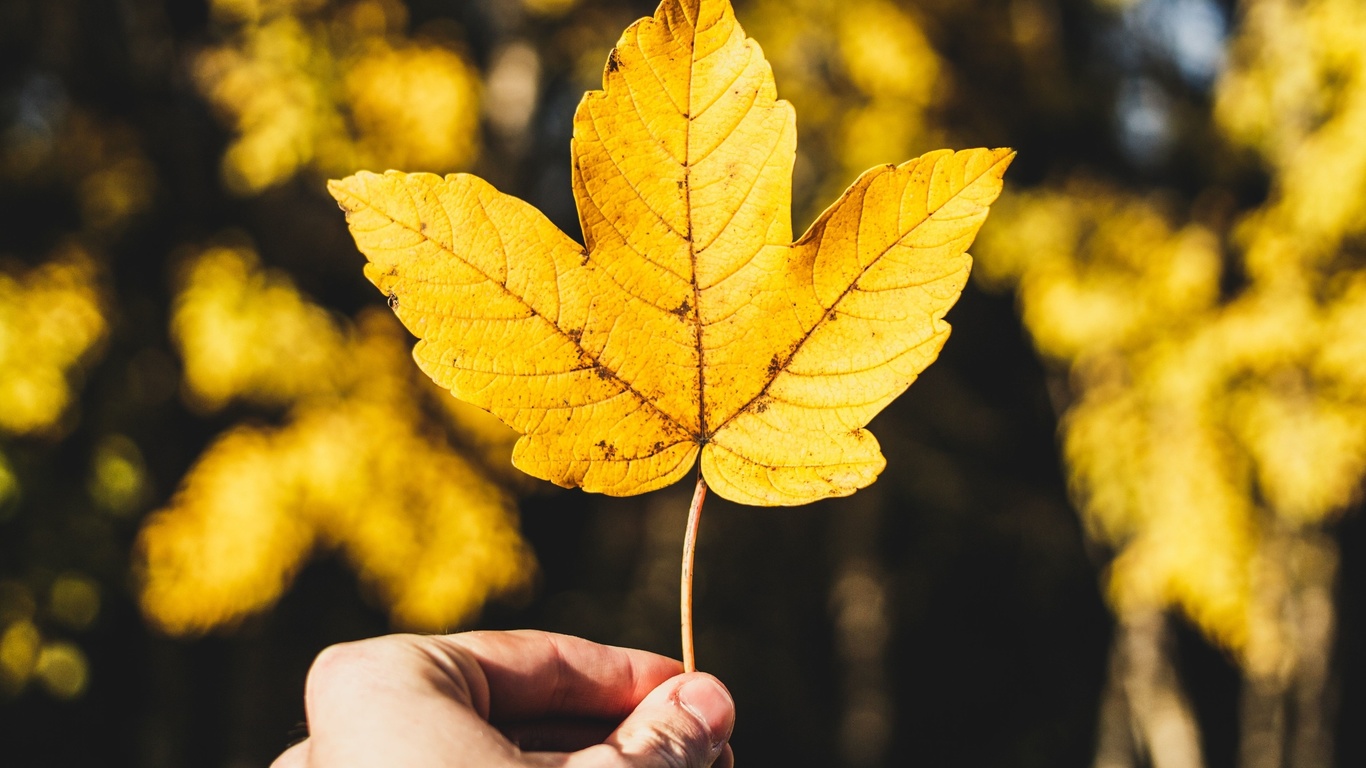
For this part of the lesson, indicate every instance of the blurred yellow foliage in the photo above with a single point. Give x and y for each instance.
(1297, 95)
(62, 669)
(118, 478)
(20, 644)
(9, 488)
(1106, 284)
(246, 333)
(51, 322)
(333, 86)
(25, 656)
(862, 75)
(74, 600)
(356, 467)
(1210, 434)
(550, 8)
(1098, 271)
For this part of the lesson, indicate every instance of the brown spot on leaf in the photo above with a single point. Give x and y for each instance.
(613, 61)
(602, 372)
(774, 365)
(393, 300)
(760, 406)
(681, 310)
(574, 335)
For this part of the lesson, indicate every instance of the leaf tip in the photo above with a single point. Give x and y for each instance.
(342, 189)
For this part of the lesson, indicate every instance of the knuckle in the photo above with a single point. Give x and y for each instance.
(675, 743)
(346, 668)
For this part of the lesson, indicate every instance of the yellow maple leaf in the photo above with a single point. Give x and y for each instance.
(690, 322)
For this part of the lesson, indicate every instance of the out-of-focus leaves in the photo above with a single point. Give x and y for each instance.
(330, 87)
(76, 164)
(356, 467)
(62, 669)
(52, 321)
(864, 78)
(306, 85)
(1098, 271)
(246, 333)
(9, 489)
(59, 666)
(1106, 284)
(1206, 428)
(1297, 95)
(118, 480)
(549, 7)
(20, 644)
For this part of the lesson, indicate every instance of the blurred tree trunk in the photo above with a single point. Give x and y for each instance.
(859, 607)
(1145, 717)
(1287, 716)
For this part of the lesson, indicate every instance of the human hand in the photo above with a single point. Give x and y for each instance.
(506, 699)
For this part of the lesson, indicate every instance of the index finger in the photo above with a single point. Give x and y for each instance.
(532, 675)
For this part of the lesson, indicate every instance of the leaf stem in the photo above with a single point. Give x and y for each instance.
(685, 596)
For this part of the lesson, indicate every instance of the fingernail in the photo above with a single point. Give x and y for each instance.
(711, 703)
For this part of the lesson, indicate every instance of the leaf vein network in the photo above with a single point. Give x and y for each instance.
(626, 242)
(649, 64)
(865, 369)
(617, 167)
(635, 107)
(735, 210)
(720, 93)
(852, 283)
(610, 373)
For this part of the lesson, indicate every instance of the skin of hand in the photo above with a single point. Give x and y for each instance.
(505, 699)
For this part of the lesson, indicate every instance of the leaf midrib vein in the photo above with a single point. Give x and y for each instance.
(702, 433)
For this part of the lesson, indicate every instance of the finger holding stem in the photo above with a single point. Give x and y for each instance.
(689, 549)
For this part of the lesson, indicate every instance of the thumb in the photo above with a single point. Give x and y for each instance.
(684, 723)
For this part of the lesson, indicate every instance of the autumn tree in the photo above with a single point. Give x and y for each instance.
(1213, 433)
